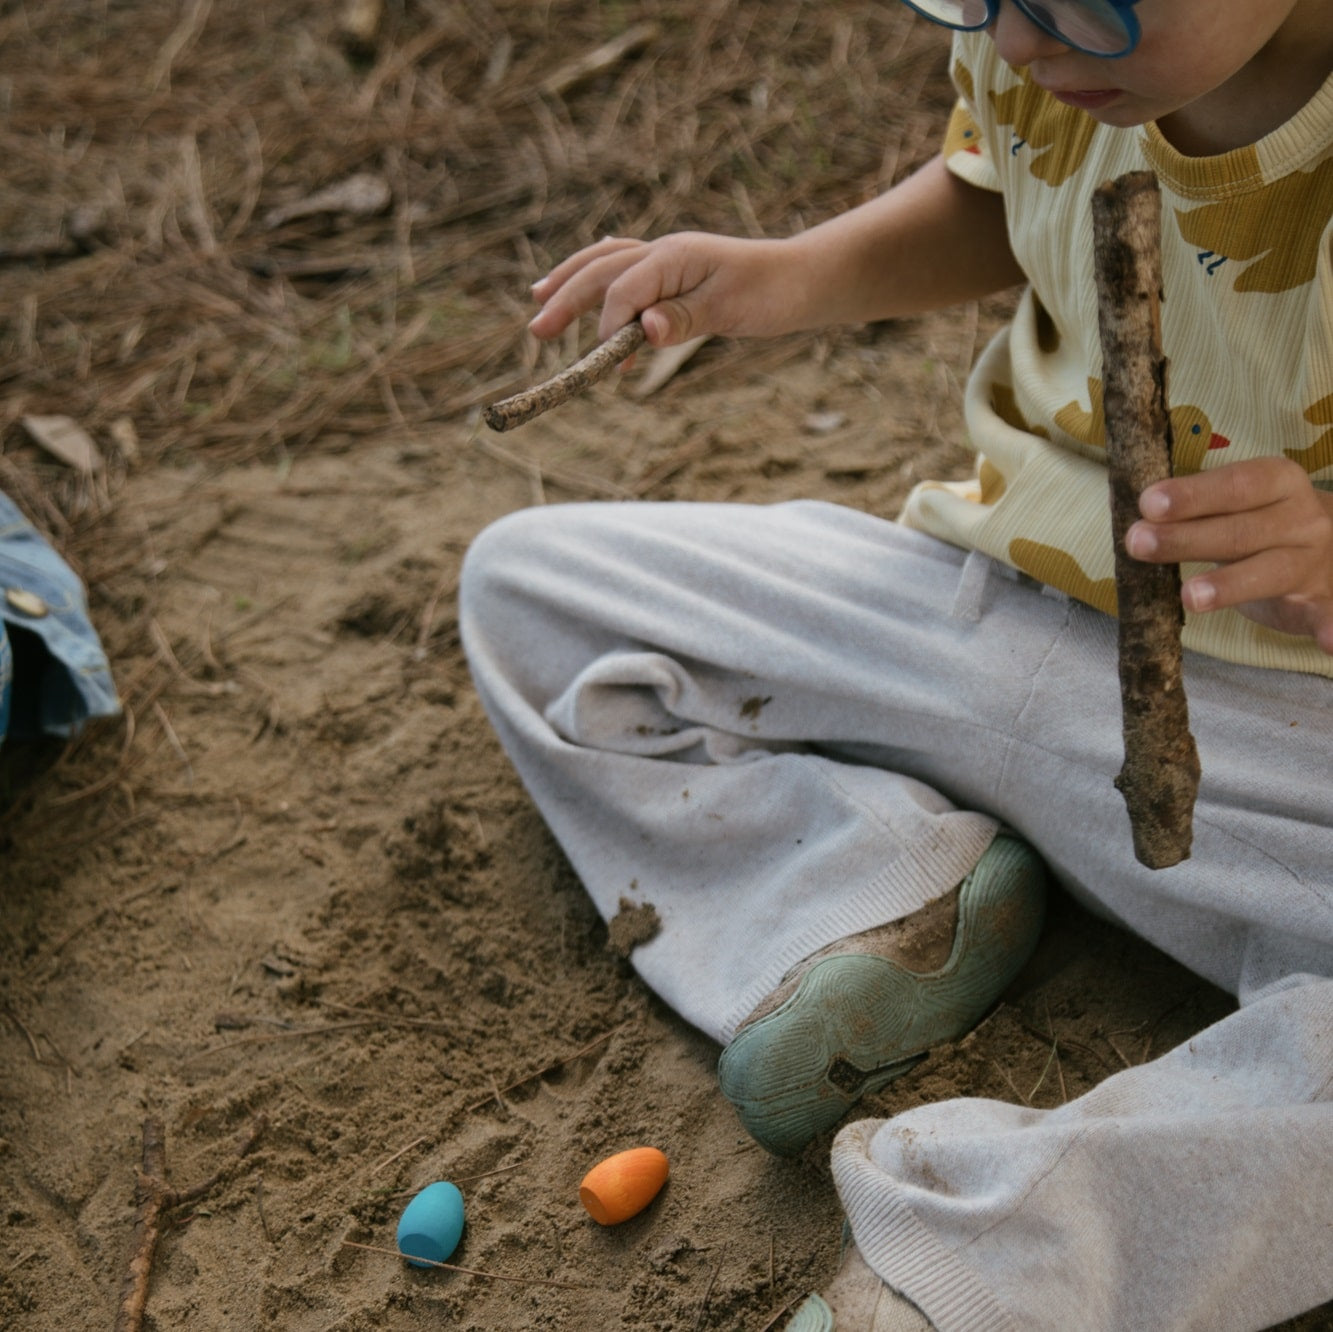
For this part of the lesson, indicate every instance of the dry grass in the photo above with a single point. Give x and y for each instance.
(151, 288)
(147, 146)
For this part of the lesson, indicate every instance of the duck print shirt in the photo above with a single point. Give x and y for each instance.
(1247, 328)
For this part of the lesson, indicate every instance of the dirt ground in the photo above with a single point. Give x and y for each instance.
(295, 898)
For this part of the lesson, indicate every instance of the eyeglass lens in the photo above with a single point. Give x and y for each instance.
(1091, 25)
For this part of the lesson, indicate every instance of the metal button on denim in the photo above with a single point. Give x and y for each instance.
(26, 603)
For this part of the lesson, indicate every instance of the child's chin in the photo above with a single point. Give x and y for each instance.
(1122, 116)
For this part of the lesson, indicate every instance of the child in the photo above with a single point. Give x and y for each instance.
(825, 746)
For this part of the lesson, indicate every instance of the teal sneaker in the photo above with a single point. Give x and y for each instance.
(864, 1010)
(858, 1301)
(814, 1315)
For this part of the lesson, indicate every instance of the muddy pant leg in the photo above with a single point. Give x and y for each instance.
(632, 655)
(663, 677)
(1253, 903)
(1193, 1192)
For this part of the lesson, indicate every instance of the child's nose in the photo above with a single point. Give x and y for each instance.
(1020, 41)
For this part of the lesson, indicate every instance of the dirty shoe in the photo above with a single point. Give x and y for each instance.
(858, 1301)
(859, 1013)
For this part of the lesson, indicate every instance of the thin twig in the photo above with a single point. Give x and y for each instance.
(562, 476)
(259, 1206)
(1070, 1045)
(487, 1174)
(470, 1271)
(1050, 1059)
(773, 1322)
(1055, 1047)
(154, 1199)
(166, 886)
(550, 1068)
(174, 741)
(448, 583)
(588, 66)
(708, 1291)
(583, 374)
(402, 1151)
(18, 1022)
(1118, 1051)
(265, 1038)
(394, 1019)
(1004, 1073)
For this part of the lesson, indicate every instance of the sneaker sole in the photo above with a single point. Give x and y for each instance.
(857, 1021)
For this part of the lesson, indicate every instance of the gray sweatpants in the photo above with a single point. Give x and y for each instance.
(781, 725)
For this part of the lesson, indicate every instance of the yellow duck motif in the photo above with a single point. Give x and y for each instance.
(1319, 454)
(1192, 433)
(1057, 568)
(962, 134)
(1058, 136)
(1280, 227)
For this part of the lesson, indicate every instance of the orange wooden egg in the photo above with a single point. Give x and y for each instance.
(623, 1185)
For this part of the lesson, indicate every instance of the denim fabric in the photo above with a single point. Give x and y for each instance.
(6, 679)
(54, 675)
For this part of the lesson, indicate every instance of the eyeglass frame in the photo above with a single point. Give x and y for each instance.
(1124, 9)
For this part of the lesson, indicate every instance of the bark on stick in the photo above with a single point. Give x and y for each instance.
(1160, 777)
(597, 364)
(154, 1198)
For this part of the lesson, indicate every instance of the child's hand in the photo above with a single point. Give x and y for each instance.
(681, 286)
(930, 241)
(1265, 527)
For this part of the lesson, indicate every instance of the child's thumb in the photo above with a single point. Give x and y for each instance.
(667, 323)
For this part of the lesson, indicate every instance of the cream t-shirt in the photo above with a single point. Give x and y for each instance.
(1247, 327)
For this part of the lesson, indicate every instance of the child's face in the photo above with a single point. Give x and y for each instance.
(1190, 51)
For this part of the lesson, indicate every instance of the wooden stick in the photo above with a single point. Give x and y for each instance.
(1160, 776)
(154, 1197)
(597, 364)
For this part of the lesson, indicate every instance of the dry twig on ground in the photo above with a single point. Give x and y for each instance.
(154, 1198)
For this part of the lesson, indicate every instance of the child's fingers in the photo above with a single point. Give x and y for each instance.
(1264, 576)
(1231, 513)
(547, 286)
(1225, 537)
(1232, 489)
(1301, 523)
(580, 288)
(666, 283)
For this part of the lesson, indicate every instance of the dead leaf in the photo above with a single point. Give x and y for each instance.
(664, 366)
(361, 195)
(64, 438)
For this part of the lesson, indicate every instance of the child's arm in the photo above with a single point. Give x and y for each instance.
(932, 240)
(1264, 525)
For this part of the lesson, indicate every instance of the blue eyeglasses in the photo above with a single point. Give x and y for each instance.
(1096, 27)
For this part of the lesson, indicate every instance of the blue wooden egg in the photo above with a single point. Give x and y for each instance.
(431, 1224)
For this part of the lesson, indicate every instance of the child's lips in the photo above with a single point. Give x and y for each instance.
(1089, 99)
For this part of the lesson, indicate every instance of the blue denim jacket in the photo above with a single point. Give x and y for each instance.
(63, 677)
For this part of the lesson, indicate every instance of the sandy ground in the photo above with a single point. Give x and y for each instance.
(334, 910)
(297, 899)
